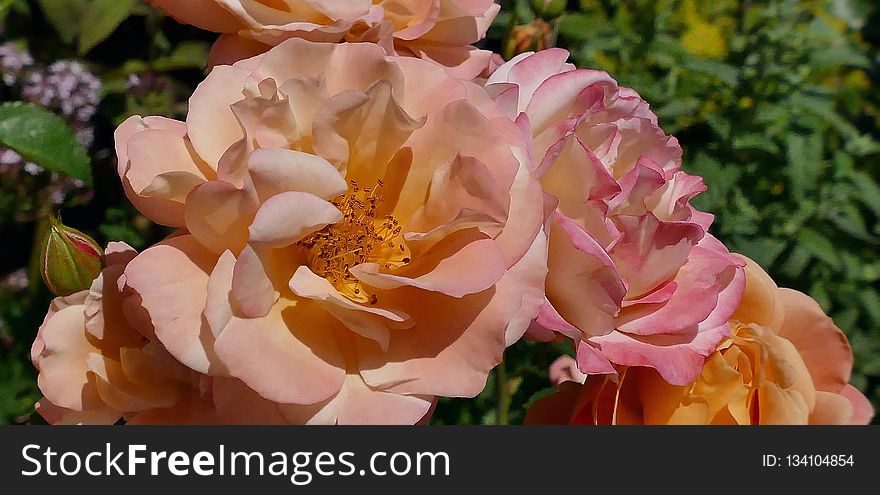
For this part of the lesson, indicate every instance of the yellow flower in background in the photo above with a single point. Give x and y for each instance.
(705, 40)
(858, 79)
(704, 36)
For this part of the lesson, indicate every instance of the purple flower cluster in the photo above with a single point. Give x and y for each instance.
(13, 62)
(66, 85)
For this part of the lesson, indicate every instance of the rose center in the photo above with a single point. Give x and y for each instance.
(360, 237)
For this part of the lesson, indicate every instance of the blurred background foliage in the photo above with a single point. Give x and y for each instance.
(774, 102)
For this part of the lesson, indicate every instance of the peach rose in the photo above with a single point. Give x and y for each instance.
(96, 368)
(634, 276)
(786, 363)
(358, 234)
(438, 30)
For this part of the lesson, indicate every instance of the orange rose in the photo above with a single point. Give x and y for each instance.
(438, 30)
(785, 363)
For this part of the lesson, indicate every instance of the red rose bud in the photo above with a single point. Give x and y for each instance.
(70, 260)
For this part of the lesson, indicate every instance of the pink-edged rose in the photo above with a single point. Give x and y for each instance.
(635, 279)
(785, 363)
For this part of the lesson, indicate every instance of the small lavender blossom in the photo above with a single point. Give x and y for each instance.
(10, 161)
(16, 281)
(66, 85)
(146, 83)
(58, 196)
(33, 169)
(37, 90)
(86, 135)
(134, 81)
(13, 62)
(9, 157)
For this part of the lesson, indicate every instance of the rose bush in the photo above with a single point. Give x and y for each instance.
(634, 278)
(438, 30)
(357, 234)
(785, 363)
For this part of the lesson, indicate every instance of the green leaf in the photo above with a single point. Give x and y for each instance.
(5, 5)
(837, 56)
(852, 222)
(868, 192)
(523, 12)
(725, 73)
(819, 246)
(797, 261)
(764, 250)
(187, 55)
(824, 109)
(854, 12)
(755, 141)
(44, 138)
(721, 125)
(578, 26)
(684, 106)
(819, 292)
(64, 15)
(100, 20)
(21, 7)
(804, 162)
(871, 302)
(719, 178)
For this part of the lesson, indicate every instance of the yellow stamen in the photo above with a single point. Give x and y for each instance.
(359, 238)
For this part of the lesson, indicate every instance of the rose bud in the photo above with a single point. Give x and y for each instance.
(533, 37)
(69, 259)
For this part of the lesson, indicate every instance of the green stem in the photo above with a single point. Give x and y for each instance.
(35, 278)
(503, 394)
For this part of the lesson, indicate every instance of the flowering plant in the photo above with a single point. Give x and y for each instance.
(364, 215)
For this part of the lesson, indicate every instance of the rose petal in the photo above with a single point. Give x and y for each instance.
(275, 171)
(172, 279)
(64, 374)
(863, 411)
(212, 126)
(299, 360)
(583, 284)
(822, 345)
(288, 217)
(252, 290)
(371, 322)
(358, 404)
(218, 214)
(450, 268)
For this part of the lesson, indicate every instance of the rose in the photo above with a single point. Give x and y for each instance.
(785, 363)
(358, 234)
(97, 367)
(438, 30)
(634, 277)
